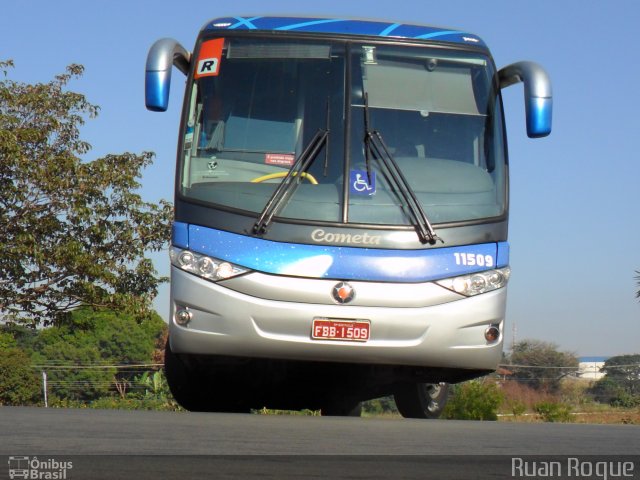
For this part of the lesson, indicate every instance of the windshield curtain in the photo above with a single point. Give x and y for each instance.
(437, 111)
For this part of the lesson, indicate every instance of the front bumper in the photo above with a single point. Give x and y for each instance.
(249, 317)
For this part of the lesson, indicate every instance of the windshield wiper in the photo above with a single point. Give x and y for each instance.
(374, 144)
(289, 183)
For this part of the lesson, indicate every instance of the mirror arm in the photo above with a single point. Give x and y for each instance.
(163, 55)
(537, 94)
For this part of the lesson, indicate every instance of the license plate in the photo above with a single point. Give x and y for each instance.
(339, 329)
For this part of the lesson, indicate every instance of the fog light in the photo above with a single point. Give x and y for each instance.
(492, 334)
(183, 316)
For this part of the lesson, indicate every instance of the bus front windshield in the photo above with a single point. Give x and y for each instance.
(437, 112)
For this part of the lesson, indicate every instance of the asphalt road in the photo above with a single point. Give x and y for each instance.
(125, 444)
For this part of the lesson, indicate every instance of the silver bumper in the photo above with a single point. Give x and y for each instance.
(437, 329)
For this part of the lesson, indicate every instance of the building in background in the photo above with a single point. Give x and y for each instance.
(589, 367)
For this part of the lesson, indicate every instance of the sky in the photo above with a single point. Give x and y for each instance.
(574, 228)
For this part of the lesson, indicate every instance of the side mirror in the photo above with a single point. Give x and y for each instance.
(537, 94)
(162, 55)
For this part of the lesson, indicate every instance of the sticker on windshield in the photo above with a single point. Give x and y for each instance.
(361, 184)
(279, 159)
(209, 58)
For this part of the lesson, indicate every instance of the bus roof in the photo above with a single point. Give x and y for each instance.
(344, 27)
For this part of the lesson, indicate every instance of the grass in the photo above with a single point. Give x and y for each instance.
(571, 403)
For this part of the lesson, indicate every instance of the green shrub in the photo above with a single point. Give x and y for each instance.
(517, 407)
(474, 400)
(156, 394)
(553, 411)
(57, 402)
(115, 402)
(379, 406)
(132, 403)
(626, 400)
(19, 382)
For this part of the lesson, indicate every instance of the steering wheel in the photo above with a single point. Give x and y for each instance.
(270, 176)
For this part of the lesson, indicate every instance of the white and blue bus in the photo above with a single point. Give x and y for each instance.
(341, 211)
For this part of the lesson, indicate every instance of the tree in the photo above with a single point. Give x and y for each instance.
(74, 232)
(606, 390)
(7, 341)
(19, 383)
(625, 370)
(540, 365)
(621, 383)
(81, 353)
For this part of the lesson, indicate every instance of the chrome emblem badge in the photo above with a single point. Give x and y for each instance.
(343, 292)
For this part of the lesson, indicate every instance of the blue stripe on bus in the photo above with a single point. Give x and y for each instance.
(343, 263)
(440, 33)
(389, 29)
(244, 22)
(342, 26)
(311, 23)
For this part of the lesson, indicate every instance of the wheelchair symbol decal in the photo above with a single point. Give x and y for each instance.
(359, 182)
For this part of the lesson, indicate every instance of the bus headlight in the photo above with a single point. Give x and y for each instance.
(203, 266)
(477, 283)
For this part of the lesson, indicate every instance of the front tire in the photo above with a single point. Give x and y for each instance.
(421, 400)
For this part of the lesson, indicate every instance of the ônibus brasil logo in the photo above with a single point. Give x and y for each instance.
(38, 469)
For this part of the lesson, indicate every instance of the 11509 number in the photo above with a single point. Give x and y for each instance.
(473, 259)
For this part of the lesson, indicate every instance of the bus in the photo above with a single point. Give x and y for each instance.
(341, 212)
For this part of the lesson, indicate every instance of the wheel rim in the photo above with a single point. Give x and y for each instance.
(433, 391)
